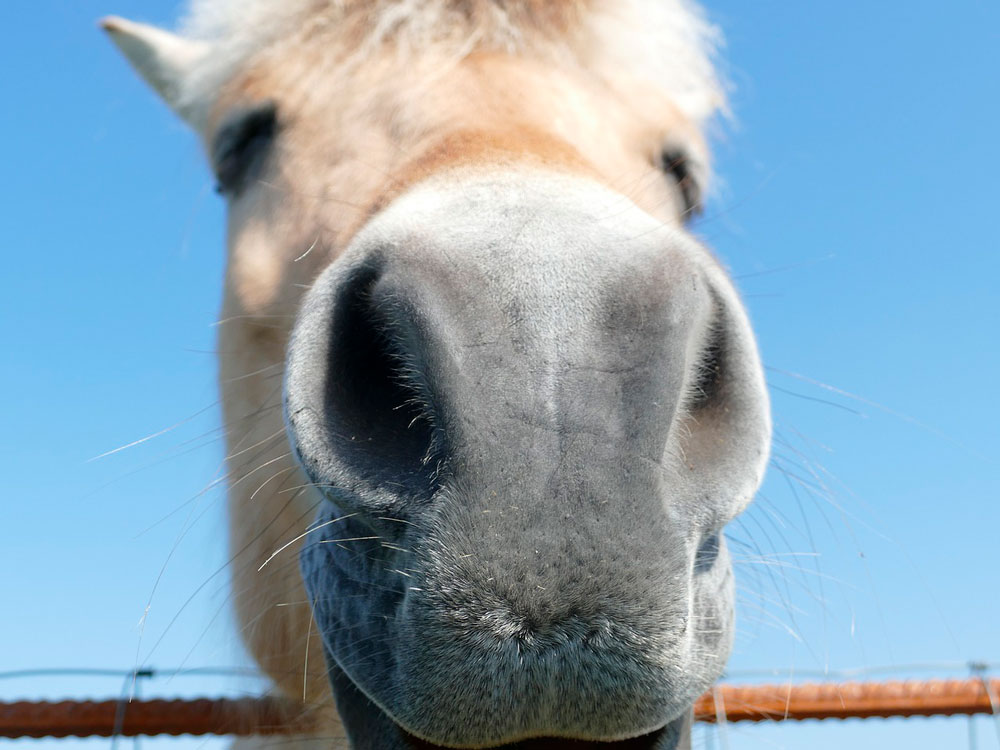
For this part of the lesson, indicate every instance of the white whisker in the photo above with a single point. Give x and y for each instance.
(303, 536)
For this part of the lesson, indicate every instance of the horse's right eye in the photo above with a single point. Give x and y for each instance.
(240, 146)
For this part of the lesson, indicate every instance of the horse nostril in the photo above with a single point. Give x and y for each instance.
(708, 553)
(705, 385)
(376, 404)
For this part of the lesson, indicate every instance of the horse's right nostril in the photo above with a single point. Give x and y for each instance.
(377, 402)
(366, 391)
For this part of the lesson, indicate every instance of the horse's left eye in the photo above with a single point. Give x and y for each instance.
(677, 164)
(240, 145)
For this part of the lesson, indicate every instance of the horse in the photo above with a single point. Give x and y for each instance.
(489, 403)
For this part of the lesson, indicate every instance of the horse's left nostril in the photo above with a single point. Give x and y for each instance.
(708, 552)
(706, 383)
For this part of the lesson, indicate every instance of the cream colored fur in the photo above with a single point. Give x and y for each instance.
(667, 44)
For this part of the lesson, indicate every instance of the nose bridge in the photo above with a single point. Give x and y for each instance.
(560, 325)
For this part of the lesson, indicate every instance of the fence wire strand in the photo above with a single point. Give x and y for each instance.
(722, 705)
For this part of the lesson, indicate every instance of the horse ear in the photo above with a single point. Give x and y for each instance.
(163, 59)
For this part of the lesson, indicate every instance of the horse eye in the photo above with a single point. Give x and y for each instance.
(240, 145)
(678, 165)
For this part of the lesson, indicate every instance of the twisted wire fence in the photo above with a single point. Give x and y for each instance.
(726, 703)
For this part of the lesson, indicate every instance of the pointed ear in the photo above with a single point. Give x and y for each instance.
(163, 59)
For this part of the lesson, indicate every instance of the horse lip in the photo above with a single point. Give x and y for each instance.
(655, 740)
(371, 727)
(664, 738)
(651, 741)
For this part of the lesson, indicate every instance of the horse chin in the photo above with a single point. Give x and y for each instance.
(371, 728)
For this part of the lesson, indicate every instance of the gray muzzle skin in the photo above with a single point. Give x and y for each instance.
(531, 408)
(371, 729)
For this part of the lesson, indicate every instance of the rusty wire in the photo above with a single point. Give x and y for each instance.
(847, 700)
(269, 716)
(240, 716)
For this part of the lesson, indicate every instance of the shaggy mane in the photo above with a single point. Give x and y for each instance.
(666, 43)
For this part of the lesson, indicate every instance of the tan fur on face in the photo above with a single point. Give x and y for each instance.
(666, 43)
(351, 137)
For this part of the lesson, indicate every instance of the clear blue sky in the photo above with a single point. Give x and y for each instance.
(858, 212)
